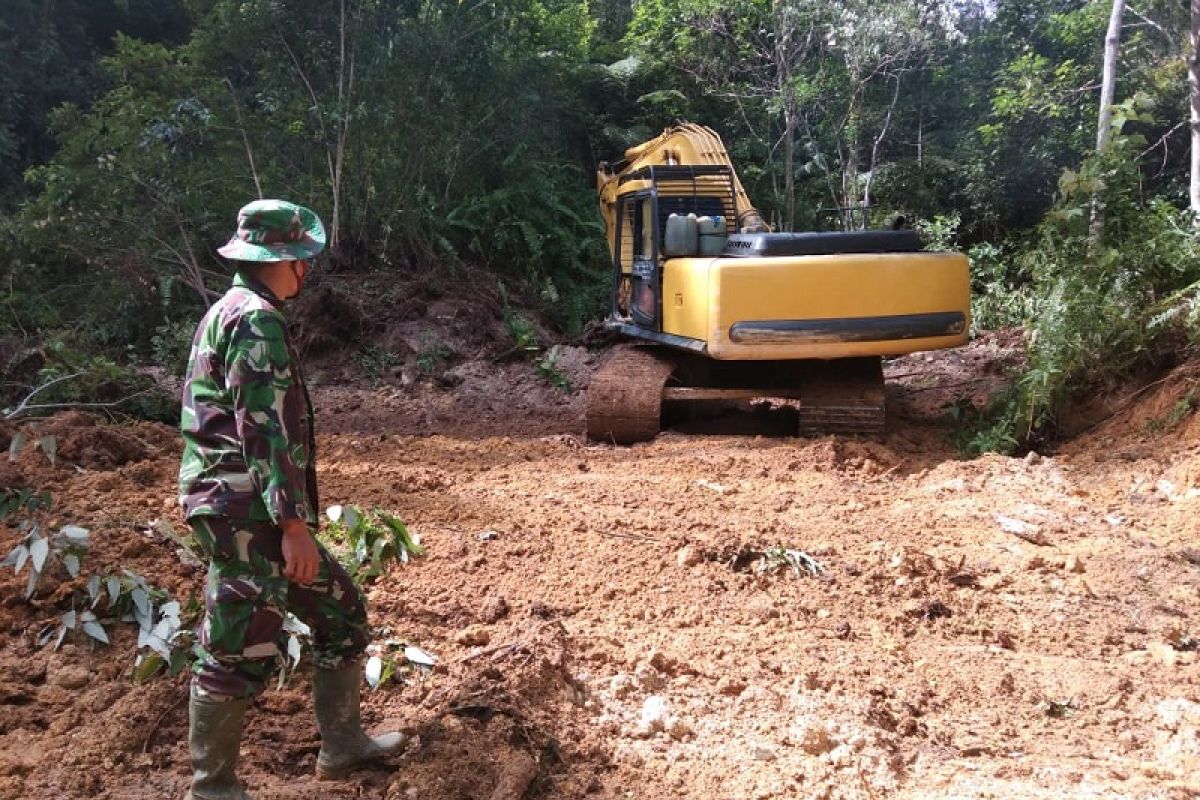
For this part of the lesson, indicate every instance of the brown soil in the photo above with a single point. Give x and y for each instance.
(607, 624)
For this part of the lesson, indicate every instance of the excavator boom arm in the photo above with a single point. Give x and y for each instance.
(684, 144)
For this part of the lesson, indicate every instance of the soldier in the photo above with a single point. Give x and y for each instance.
(248, 488)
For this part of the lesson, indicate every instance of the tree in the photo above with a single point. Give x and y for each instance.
(1108, 75)
(1194, 105)
(832, 73)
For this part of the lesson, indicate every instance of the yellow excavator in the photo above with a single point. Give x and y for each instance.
(719, 308)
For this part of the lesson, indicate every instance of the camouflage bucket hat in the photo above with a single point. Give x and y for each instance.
(275, 230)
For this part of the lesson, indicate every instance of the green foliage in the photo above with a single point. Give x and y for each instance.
(13, 500)
(41, 550)
(1000, 296)
(521, 329)
(73, 377)
(125, 219)
(1184, 407)
(47, 57)
(373, 360)
(983, 430)
(432, 355)
(1103, 264)
(171, 345)
(798, 562)
(941, 232)
(130, 132)
(368, 541)
(547, 368)
(392, 660)
(165, 628)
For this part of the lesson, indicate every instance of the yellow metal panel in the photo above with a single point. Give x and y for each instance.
(833, 287)
(685, 300)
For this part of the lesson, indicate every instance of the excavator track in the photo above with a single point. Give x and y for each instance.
(624, 402)
(844, 396)
(625, 399)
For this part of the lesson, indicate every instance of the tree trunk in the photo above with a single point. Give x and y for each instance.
(339, 148)
(789, 167)
(1108, 79)
(1194, 97)
(887, 122)
(785, 33)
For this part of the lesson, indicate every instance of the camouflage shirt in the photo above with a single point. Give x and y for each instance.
(249, 450)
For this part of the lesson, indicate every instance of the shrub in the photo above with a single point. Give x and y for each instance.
(1114, 277)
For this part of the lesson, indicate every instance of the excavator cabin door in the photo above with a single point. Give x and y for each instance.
(637, 294)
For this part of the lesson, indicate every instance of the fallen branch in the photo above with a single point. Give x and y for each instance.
(40, 406)
(24, 404)
(1031, 536)
(635, 536)
(494, 650)
(890, 470)
(958, 385)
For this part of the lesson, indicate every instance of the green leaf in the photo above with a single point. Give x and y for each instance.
(409, 541)
(93, 590)
(15, 446)
(75, 534)
(421, 658)
(67, 622)
(141, 607)
(16, 558)
(114, 590)
(39, 551)
(373, 671)
(389, 669)
(49, 446)
(154, 642)
(71, 562)
(180, 660)
(293, 648)
(147, 665)
(95, 630)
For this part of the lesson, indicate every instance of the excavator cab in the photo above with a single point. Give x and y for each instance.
(641, 242)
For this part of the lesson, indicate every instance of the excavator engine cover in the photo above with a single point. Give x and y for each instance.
(758, 245)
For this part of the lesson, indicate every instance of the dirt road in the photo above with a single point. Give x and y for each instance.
(624, 622)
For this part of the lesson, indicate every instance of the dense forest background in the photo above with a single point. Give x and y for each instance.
(438, 135)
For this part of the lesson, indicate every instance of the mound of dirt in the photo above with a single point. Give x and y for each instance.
(19, 367)
(504, 718)
(88, 441)
(326, 320)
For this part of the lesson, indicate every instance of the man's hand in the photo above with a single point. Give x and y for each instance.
(300, 558)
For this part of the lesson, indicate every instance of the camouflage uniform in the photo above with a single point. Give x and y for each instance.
(248, 465)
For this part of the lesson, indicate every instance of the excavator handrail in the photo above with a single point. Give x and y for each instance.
(657, 172)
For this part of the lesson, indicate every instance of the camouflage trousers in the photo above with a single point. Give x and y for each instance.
(245, 602)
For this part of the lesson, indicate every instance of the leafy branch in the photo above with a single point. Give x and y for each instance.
(368, 541)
